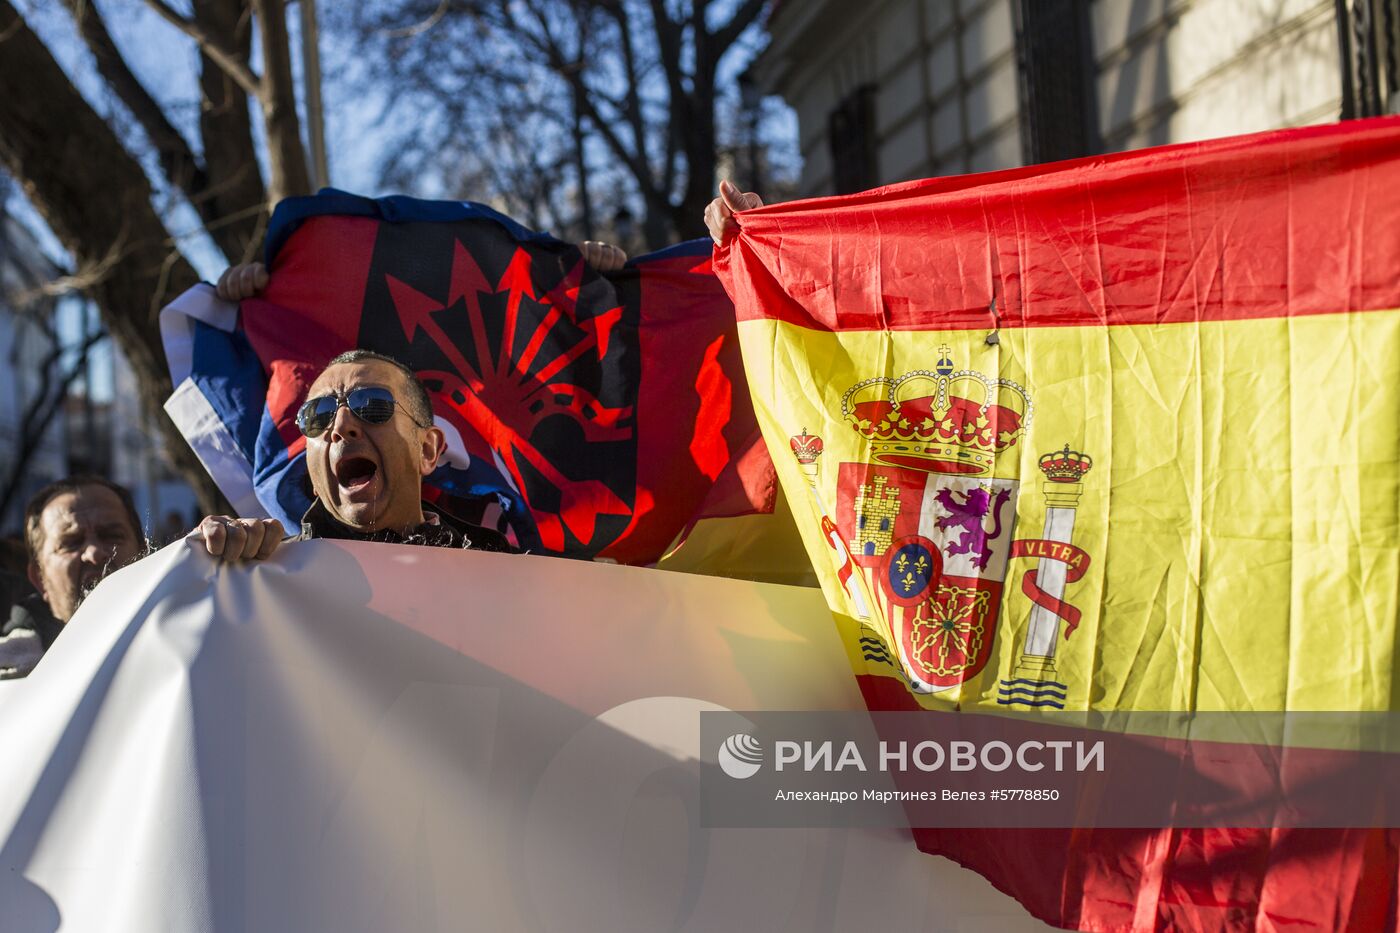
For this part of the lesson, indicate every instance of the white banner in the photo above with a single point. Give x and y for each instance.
(370, 737)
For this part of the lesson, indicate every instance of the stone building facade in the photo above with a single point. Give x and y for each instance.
(899, 89)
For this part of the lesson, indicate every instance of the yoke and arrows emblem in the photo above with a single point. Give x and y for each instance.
(526, 374)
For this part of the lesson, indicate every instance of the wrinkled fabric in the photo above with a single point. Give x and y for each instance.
(1121, 433)
(365, 737)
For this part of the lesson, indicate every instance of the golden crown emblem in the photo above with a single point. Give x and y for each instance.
(1065, 466)
(806, 447)
(941, 420)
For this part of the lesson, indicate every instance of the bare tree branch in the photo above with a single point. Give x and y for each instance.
(181, 168)
(637, 80)
(423, 25)
(237, 200)
(39, 413)
(632, 102)
(743, 18)
(50, 139)
(580, 143)
(212, 47)
(556, 61)
(227, 182)
(89, 276)
(286, 156)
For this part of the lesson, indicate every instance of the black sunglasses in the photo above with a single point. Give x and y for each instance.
(371, 404)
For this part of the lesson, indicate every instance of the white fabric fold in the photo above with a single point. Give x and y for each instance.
(370, 737)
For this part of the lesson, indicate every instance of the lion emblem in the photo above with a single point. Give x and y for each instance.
(970, 515)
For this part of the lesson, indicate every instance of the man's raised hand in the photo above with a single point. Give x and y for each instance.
(719, 216)
(242, 281)
(602, 256)
(240, 538)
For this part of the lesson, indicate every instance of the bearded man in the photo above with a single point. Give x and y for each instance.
(77, 531)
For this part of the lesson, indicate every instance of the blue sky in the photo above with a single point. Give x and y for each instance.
(166, 62)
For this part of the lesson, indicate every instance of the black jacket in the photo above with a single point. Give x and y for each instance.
(441, 530)
(32, 613)
(25, 635)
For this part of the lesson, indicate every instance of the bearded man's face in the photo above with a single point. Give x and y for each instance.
(84, 536)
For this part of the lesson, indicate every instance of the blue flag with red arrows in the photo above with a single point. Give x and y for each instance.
(587, 415)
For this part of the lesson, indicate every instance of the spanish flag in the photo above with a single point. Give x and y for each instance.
(1121, 433)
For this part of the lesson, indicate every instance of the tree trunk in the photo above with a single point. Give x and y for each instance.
(585, 197)
(97, 201)
(226, 187)
(236, 194)
(689, 215)
(657, 223)
(285, 155)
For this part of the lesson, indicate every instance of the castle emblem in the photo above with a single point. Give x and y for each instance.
(877, 507)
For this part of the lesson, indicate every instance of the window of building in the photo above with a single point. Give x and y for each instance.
(851, 127)
(1055, 56)
(1368, 37)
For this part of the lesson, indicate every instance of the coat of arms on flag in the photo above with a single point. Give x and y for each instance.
(925, 526)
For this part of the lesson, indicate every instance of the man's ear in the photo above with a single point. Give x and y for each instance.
(35, 578)
(433, 444)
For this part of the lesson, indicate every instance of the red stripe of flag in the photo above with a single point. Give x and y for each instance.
(1271, 225)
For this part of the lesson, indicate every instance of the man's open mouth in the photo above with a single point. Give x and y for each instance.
(355, 473)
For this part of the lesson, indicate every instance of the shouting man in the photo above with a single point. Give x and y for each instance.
(370, 440)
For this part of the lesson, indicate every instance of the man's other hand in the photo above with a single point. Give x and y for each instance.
(240, 538)
(242, 281)
(602, 256)
(719, 216)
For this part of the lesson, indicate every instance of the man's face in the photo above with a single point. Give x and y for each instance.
(370, 476)
(86, 535)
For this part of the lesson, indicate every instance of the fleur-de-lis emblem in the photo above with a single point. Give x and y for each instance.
(913, 567)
